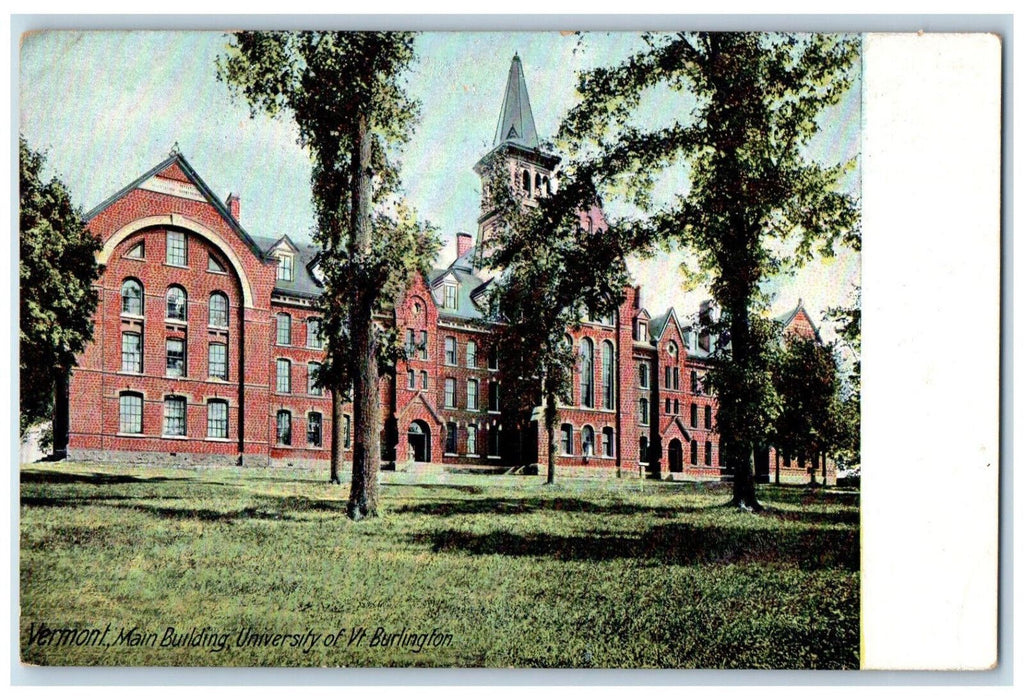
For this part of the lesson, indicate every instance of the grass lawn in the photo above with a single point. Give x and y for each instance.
(501, 570)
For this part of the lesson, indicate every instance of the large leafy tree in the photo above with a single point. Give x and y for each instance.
(57, 269)
(554, 274)
(847, 320)
(754, 202)
(809, 424)
(344, 90)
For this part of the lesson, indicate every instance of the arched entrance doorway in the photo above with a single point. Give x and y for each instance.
(675, 456)
(419, 441)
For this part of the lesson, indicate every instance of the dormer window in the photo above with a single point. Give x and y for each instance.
(641, 331)
(285, 267)
(451, 298)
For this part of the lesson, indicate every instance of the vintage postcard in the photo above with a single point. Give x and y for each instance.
(465, 349)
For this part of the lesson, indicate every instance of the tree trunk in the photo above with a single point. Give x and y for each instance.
(777, 482)
(337, 436)
(824, 477)
(550, 412)
(744, 494)
(366, 425)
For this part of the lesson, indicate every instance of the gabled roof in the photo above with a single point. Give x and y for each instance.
(515, 122)
(788, 318)
(658, 324)
(176, 158)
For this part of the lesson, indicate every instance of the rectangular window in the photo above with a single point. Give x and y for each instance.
(423, 345)
(707, 417)
(567, 439)
(471, 440)
(217, 419)
(644, 371)
(218, 361)
(177, 252)
(668, 377)
(411, 375)
(131, 414)
(494, 442)
(284, 329)
(174, 416)
(410, 344)
(312, 375)
(471, 354)
(131, 352)
(313, 339)
(285, 268)
(450, 297)
(645, 412)
(284, 428)
(175, 357)
(449, 393)
(492, 396)
(451, 439)
(492, 359)
(314, 430)
(675, 377)
(284, 377)
(693, 415)
(449, 351)
(348, 432)
(472, 394)
(423, 380)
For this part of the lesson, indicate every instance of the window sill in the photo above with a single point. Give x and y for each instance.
(468, 454)
(451, 454)
(218, 328)
(178, 267)
(217, 439)
(493, 456)
(217, 272)
(128, 373)
(133, 317)
(174, 437)
(175, 322)
(130, 435)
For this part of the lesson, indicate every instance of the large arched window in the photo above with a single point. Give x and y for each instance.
(587, 373)
(587, 435)
(132, 298)
(607, 375)
(177, 304)
(219, 310)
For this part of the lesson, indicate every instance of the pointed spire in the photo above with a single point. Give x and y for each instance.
(515, 123)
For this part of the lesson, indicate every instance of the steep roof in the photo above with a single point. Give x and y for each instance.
(515, 122)
(787, 319)
(177, 159)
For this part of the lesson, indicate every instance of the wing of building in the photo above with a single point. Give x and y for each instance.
(207, 346)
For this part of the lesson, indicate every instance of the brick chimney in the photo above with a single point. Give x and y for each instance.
(464, 242)
(235, 206)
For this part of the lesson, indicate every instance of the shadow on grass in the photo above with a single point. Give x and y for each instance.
(831, 517)
(208, 515)
(805, 496)
(666, 544)
(475, 490)
(32, 476)
(80, 501)
(516, 506)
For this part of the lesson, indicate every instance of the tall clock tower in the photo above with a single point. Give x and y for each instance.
(530, 170)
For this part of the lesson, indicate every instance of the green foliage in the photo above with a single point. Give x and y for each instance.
(755, 205)
(587, 573)
(808, 384)
(326, 82)
(57, 268)
(554, 274)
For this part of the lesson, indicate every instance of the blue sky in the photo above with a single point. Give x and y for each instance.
(107, 106)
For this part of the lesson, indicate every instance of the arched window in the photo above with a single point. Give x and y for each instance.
(130, 420)
(693, 415)
(607, 375)
(644, 371)
(177, 304)
(219, 310)
(284, 427)
(537, 182)
(643, 449)
(693, 382)
(587, 373)
(645, 412)
(707, 417)
(693, 451)
(284, 376)
(587, 440)
(707, 453)
(526, 181)
(608, 442)
(131, 298)
(566, 439)
(547, 184)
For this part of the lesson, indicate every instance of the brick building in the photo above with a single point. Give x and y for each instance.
(207, 346)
